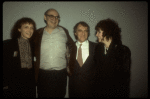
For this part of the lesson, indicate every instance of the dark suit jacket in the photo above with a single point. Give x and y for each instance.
(80, 79)
(113, 70)
(12, 72)
(37, 47)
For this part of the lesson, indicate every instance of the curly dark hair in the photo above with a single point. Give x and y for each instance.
(15, 33)
(110, 29)
(83, 24)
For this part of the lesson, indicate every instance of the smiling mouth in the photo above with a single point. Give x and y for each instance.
(53, 22)
(28, 34)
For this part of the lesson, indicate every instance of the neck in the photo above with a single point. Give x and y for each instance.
(49, 29)
(82, 42)
(21, 37)
(107, 43)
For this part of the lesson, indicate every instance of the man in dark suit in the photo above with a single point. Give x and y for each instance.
(81, 62)
(51, 44)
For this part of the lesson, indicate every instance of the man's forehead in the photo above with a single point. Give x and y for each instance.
(82, 27)
(52, 11)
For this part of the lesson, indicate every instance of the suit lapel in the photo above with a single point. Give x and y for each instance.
(16, 53)
(90, 54)
(16, 46)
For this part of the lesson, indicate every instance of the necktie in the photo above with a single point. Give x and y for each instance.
(79, 58)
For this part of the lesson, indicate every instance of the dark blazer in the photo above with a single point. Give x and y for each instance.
(37, 46)
(13, 74)
(80, 79)
(112, 75)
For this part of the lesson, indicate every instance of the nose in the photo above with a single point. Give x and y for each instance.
(54, 18)
(96, 33)
(30, 30)
(84, 32)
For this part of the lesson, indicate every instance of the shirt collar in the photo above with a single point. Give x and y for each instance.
(55, 30)
(105, 48)
(83, 43)
(22, 39)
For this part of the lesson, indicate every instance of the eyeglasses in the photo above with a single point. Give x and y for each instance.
(51, 16)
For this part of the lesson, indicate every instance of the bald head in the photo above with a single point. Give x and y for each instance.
(51, 18)
(51, 10)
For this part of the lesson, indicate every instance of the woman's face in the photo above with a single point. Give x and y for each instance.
(99, 35)
(26, 30)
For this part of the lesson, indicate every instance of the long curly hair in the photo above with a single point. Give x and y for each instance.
(15, 33)
(110, 29)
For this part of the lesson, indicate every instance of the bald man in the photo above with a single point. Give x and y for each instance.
(51, 44)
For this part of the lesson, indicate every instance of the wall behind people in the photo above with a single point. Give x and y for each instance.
(132, 17)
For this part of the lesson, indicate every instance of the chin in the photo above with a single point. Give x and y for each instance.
(28, 37)
(53, 27)
(83, 40)
(99, 40)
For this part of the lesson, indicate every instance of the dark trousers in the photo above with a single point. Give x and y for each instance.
(22, 84)
(52, 83)
(79, 87)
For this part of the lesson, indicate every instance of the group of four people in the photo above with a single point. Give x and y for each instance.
(45, 57)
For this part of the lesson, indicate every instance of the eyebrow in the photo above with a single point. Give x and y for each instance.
(81, 30)
(53, 15)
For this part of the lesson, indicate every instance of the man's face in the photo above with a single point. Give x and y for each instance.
(26, 30)
(81, 33)
(52, 22)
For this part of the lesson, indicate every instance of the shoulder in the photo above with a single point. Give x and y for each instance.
(9, 42)
(125, 50)
(60, 28)
(99, 46)
(38, 31)
(92, 43)
(6, 42)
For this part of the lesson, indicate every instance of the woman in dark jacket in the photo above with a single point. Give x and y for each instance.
(112, 59)
(18, 72)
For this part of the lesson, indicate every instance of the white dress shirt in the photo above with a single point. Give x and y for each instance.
(85, 49)
(105, 52)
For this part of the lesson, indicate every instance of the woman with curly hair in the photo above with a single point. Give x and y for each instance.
(112, 61)
(18, 72)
